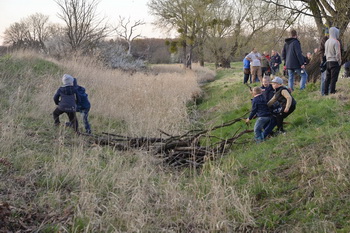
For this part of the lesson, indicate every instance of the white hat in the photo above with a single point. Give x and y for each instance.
(67, 80)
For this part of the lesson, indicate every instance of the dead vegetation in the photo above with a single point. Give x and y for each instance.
(184, 150)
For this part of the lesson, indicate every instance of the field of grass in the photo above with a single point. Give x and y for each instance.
(54, 181)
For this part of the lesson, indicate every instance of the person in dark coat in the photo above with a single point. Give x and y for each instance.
(286, 100)
(294, 60)
(275, 62)
(65, 99)
(83, 105)
(259, 109)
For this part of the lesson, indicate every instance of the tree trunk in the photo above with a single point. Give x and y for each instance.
(313, 68)
(225, 63)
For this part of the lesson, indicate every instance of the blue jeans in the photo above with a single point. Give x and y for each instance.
(303, 78)
(85, 115)
(259, 126)
(269, 126)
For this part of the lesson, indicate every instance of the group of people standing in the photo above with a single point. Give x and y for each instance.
(255, 65)
(272, 103)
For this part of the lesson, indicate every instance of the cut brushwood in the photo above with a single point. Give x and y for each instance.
(180, 150)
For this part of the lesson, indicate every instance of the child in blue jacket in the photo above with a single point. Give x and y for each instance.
(83, 105)
(262, 111)
(65, 99)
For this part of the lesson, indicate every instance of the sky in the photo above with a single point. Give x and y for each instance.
(13, 11)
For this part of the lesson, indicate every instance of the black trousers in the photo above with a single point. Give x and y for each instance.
(71, 115)
(282, 115)
(333, 69)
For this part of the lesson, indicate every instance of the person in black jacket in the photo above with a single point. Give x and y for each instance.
(286, 100)
(294, 60)
(275, 62)
(259, 109)
(65, 99)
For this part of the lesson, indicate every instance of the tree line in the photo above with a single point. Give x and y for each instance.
(218, 31)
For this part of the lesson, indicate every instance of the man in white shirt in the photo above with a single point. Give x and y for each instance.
(255, 64)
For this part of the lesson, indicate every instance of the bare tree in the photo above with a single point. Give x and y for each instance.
(236, 22)
(38, 28)
(16, 34)
(324, 12)
(126, 30)
(30, 32)
(84, 28)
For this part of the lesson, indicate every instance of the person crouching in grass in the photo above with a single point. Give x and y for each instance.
(286, 100)
(65, 99)
(262, 111)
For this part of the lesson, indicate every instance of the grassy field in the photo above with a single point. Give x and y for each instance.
(54, 181)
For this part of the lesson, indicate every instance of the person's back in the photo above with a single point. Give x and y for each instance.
(333, 57)
(292, 54)
(260, 108)
(294, 60)
(332, 46)
(65, 99)
(84, 102)
(83, 105)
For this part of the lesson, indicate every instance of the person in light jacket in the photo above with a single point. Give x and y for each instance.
(333, 57)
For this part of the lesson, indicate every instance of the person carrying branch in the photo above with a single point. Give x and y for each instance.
(259, 109)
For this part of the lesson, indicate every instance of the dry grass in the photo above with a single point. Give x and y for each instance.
(82, 188)
(144, 102)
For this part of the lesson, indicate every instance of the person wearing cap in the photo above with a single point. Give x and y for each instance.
(286, 100)
(259, 109)
(66, 98)
(294, 60)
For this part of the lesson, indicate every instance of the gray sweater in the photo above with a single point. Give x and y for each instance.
(333, 47)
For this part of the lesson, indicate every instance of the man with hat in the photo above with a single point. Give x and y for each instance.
(286, 100)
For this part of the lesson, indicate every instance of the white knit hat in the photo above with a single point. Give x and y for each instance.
(67, 80)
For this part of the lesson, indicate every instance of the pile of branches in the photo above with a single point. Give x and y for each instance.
(180, 150)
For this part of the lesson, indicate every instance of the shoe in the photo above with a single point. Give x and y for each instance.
(68, 124)
(281, 131)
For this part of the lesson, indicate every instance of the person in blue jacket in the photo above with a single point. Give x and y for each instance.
(294, 60)
(246, 70)
(65, 98)
(83, 105)
(262, 111)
